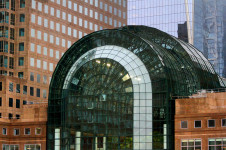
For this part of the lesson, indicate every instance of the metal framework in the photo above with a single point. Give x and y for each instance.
(115, 89)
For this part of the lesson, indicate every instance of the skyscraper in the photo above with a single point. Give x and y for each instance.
(34, 34)
(203, 21)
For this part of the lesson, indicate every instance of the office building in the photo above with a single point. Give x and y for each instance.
(200, 121)
(116, 88)
(34, 34)
(200, 22)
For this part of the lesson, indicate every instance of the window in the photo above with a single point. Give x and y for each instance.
(198, 123)
(32, 32)
(18, 88)
(39, 49)
(16, 131)
(38, 78)
(4, 131)
(39, 20)
(31, 91)
(44, 79)
(46, 23)
(39, 35)
(25, 89)
(46, 9)
(38, 63)
(21, 32)
(223, 122)
(52, 11)
(211, 123)
(21, 61)
(12, 33)
(27, 131)
(10, 86)
(4, 31)
(11, 62)
(17, 116)
(63, 29)
(57, 55)
(39, 6)
(191, 144)
(32, 147)
(0, 101)
(10, 116)
(80, 9)
(69, 17)
(0, 86)
(17, 103)
(44, 65)
(75, 20)
(4, 46)
(75, 7)
(58, 13)
(32, 62)
(38, 92)
(74, 33)
(184, 124)
(20, 75)
(45, 51)
(216, 143)
(22, 3)
(13, 5)
(24, 102)
(38, 131)
(50, 66)
(64, 15)
(11, 48)
(22, 17)
(21, 46)
(10, 102)
(44, 93)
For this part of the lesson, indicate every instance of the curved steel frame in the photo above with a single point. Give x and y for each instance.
(175, 68)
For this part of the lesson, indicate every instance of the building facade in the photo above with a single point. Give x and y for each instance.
(34, 34)
(200, 122)
(115, 89)
(200, 22)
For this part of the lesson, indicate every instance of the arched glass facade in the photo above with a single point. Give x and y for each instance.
(115, 89)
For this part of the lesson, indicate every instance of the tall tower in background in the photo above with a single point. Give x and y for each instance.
(34, 34)
(204, 21)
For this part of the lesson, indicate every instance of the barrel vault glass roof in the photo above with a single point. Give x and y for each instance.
(88, 71)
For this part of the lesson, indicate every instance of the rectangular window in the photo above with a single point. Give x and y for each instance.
(184, 124)
(13, 5)
(38, 78)
(44, 93)
(31, 91)
(18, 88)
(11, 62)
(0, 86)
(44, 79)
(4, 131)
(20, 75)
(24, 102)
(21, 61)
(38, 92)
(4, 31)
(22, 3)
(11, 48)
(21, 46)
(10, 86)
(223, 123)
(39, 20)
(211, 123)
(25, 89)
(17, 103)
(32, 147)
(216, 143)
(12, 33)
(198, 123)
(4, 46)
(22, 17)
(39, 49)
(21, 32)
(38, 131)
(17, 116)
(31, 76)
(191, 144)
(10, 102)
(27, 131)
(0, 101)
(16, 132)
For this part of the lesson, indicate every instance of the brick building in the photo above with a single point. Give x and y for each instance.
(200, 122)
(34, 34)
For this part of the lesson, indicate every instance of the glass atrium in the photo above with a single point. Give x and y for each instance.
(115, 89)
